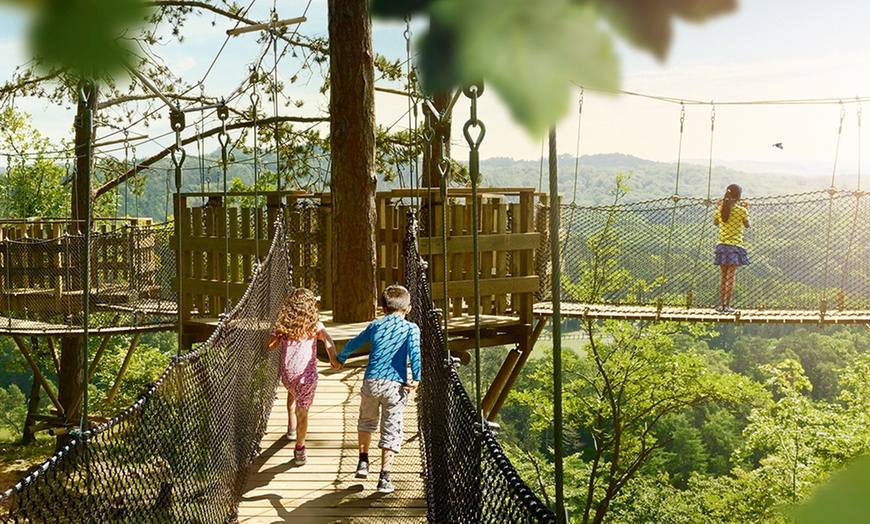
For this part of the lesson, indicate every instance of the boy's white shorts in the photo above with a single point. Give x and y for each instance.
(386, 398)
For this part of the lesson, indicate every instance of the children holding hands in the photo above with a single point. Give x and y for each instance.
(395, 343)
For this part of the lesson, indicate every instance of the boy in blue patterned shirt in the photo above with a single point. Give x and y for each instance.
(394, 342)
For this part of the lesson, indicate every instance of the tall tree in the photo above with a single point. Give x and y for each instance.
(352, 134)
(630, 380)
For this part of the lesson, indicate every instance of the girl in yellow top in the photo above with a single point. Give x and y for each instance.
(731, 219)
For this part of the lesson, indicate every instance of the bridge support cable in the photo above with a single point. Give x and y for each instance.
(557, 330)
(832, 191)
(473, 123)
(708, 206)
(855, 221)
(663, 286)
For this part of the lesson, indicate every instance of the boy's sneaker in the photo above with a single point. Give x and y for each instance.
(728, 309)
(385, 485)
(362, 470)
(300, 456)
(291, 433)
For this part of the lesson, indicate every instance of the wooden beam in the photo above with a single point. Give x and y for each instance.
(54, 358)
(98, 356)
(536, 332)
(487, 242)
(489, 286)
(37, 373)
(239, 246)
(91, 371)
(123, 370)
(465, 344)
(194, 286)
(498, 382)
(525, 351)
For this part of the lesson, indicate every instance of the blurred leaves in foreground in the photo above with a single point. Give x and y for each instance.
(531, 52)
(86, 38)
(845, 498)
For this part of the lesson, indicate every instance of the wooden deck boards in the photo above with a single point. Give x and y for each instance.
(325, 490)
(16, 326)
(678, 314)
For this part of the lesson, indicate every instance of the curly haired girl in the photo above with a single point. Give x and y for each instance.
(297, 331)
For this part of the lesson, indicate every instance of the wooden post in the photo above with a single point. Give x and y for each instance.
(111, 397)
(37, 374)
(326, 250)
(498, 382)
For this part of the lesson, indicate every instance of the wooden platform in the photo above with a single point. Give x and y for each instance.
(15, 326)
(325, 490)
(677, 314)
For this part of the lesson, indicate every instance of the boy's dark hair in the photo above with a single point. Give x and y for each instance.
(395, 298)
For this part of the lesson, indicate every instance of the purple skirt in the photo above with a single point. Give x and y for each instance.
(728, 255)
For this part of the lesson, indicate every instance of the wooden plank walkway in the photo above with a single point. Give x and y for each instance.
(679, 314)
(326, 490)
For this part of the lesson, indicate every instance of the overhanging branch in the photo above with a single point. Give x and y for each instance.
(148, 162)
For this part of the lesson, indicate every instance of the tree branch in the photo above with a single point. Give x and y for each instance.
(229, 14)
(148, 162)
(539, 477)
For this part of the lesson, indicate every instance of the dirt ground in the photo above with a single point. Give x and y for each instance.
(16, 461)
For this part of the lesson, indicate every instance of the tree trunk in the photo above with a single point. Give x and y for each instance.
(353, 180)
(32, 410)
(71, 378)
(84, 129)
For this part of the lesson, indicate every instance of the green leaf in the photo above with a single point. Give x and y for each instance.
(843, 499)
(647, 23)
(528, 52)
(90, 38)
(397, 8)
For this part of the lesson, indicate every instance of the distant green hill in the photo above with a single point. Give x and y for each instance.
(596, 176)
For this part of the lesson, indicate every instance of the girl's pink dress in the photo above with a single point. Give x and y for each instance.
(299, 368)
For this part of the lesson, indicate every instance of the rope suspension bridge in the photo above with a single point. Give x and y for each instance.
(183, 451)
(653, 259)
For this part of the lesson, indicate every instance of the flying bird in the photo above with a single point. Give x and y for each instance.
(778, 145)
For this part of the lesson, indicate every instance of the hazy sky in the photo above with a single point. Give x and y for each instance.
(769, 50)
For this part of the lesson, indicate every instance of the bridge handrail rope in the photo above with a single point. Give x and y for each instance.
(182, 452)
(468, 476)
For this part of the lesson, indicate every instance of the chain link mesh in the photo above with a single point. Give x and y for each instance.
(468, 476)
(182, 452)
(131, 271)
(306, 244)
(808, 252)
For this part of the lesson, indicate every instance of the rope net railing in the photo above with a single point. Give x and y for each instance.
(42, 279)
(182, 452)
(468, 476)
(808, 252)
